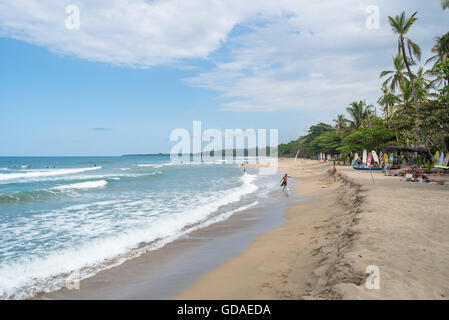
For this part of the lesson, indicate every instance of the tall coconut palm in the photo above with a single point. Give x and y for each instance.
(396, 76)
(387, 101)
(441, 51)
(401, 25)
(358, 114)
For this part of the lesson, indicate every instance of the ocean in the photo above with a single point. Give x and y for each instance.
(65, 217)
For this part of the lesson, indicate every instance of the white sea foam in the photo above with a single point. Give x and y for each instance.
(43, 173)
(83, 185)
(73, 177)
(23, 277)
(153, 165)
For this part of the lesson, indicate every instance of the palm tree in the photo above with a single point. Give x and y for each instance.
(402, 25)
(406, 95)
(422, 84)
(341, 122)
(445, 4)
(395, 114)
(441, 50)
(397, 76)
(387, 101)
(358, 114)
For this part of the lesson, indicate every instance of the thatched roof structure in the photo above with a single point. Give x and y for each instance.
(404, 149)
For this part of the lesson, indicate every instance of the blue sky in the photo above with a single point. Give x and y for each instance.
(122, 85)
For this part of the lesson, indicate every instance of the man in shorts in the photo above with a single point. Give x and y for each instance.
(284, 181)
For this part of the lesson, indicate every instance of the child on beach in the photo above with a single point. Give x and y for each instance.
(334, 173)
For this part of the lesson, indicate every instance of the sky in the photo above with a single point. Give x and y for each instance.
(132, 71)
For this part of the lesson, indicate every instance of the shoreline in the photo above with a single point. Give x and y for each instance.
(316, 248)
(334, 238)
(276, 265)
(167, 271)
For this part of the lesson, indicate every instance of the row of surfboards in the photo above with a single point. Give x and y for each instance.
(442, 160)
(369, 158)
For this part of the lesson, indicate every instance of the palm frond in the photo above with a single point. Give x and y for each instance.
(435, 58)
(385, 73)
(414, 49)
(408, 23)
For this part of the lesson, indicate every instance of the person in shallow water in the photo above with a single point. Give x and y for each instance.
(284, 181)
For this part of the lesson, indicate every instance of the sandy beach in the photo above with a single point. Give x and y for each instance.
(163, 272)
(330, 239)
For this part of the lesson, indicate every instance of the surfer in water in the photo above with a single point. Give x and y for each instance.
(284, 182)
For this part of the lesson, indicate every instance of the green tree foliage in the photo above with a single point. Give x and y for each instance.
(414, 105)
(441, 70)
(445, 4)
(327, 142)
(367, 139)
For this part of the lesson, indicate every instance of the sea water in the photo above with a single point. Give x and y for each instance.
(75, 216)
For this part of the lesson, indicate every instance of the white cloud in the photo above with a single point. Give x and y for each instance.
(294, 54)
(129, 32)
(321, 57)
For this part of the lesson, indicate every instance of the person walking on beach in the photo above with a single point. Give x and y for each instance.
(284, 181)
(334, 173)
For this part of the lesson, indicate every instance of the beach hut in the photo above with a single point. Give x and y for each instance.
(397, 151)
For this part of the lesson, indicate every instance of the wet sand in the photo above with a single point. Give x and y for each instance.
(364, 220)
(279, 264)
(163, 273)
(316, 248)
